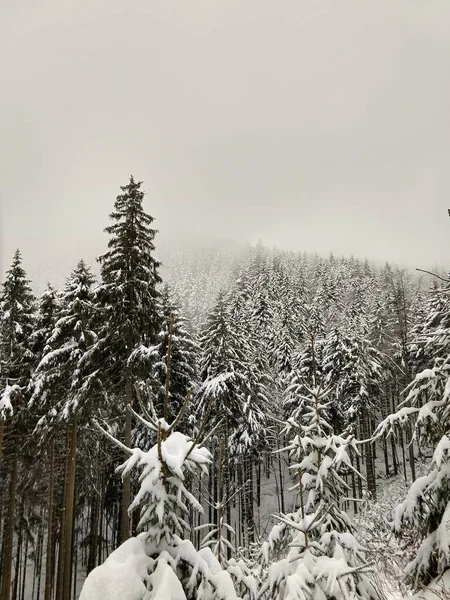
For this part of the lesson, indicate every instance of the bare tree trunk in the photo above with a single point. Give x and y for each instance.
(49, 564)
(384, 414)
(126, 489)
(412, 463)
(402, 445)
(24, 569)
(2, 429)
(227, 492)
(280, 470)
(8, 539)
(93, 526)
(210, 495)
(358, 468)
(40, 561)
(370, 463)
(18, 556)
(62, 524)
(249, 498)
(353, 477)
(395, 462)
(69, 513)
(75, 566)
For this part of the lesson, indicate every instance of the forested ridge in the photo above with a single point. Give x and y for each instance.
(305, 385)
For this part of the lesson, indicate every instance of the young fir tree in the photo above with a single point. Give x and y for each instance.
(128, 300)
(17, 316)
(159, 562)
(324, 561)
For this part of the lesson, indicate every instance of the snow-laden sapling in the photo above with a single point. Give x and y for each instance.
(159, 563)
(322, 558)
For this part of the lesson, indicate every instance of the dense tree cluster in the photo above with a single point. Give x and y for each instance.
(284, 362)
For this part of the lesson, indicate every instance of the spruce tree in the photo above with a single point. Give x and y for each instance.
(17, 314)
(128, 301)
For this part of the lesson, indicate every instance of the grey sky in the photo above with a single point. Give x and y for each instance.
(312, 125)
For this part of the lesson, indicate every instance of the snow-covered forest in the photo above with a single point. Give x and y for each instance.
(254, 424)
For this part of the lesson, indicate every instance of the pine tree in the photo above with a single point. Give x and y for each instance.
(17, 313)
(128, 299)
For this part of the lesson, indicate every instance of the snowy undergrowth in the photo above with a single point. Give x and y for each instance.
(438, 589)
(374, 526)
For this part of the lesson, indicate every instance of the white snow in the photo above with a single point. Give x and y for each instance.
(122, 576)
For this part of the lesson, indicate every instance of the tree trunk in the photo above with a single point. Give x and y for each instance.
(62, 524)
(280, 468)
(2, 429)
(412, 463)
(40, 561)
(93, 535)
(17, 577)
(384, 414)
(24, 570)
(126, 489)
(249, 498)
(8, 539)
(353, 478)
(49, 563)
(370, 463)
(69, 512)
(358, 468)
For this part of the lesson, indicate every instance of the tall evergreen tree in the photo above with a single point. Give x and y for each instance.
(128, 299)
(17, 316)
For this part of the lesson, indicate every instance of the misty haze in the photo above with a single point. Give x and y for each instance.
(224, 300)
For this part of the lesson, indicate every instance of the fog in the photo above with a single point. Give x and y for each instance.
(317, 126)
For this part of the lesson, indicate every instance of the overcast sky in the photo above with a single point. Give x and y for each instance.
(313, 125)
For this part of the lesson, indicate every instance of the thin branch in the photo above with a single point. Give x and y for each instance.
(150, 424)
(434, 275)
(112, 438)
(169, 363)
(202, 427)
(141, 402)
(180, 412)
